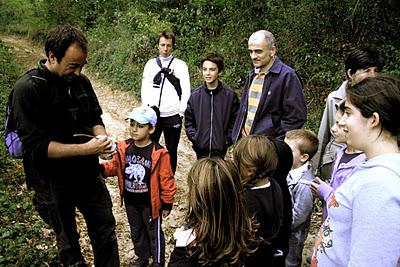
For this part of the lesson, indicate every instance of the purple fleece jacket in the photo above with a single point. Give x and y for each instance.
(340, 173)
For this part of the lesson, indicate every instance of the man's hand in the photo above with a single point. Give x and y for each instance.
(109, 153)
(95, 146)
(99, 144)
(112, 145)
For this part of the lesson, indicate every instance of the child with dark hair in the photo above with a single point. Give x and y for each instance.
(218, 230)
(256, 158)
(147, 185)
(347, 159)
(211, 111)
(362, 227)
(359, 64)
(304, 144)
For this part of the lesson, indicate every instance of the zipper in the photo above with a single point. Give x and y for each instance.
(246, 85)
(211, 124)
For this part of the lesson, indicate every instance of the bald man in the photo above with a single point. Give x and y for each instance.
(273, 101)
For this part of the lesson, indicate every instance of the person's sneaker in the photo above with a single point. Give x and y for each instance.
(140, 263)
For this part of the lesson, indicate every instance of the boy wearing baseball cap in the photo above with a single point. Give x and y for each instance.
(147, 185)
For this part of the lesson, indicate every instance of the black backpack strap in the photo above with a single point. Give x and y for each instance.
(9, 125)
(173, 79)
(158, 60)
(169, 64)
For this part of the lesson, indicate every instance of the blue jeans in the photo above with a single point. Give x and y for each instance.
(296, 244)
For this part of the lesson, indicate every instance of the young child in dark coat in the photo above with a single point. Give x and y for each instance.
(256, 158)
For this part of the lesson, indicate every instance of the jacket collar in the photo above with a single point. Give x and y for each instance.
(340, 93)
(296, 174)
(46, 73)
(165, 59)
(215, 91)
(275, 68)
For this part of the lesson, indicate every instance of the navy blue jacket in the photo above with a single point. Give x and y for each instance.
(282, 105)
(209, 118)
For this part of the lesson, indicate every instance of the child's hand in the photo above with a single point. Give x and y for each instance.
(107, 156)
(315, 184)
(165, 213)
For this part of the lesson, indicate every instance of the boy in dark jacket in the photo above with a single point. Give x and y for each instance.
(211, 111)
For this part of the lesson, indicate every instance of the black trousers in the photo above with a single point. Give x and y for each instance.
(147, 235)
(171, 126)
(57, 207)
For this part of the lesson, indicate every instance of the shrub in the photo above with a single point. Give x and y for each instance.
(22, 240)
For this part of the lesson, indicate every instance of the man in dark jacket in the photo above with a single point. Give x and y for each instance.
(272, 101)
(52, 103)
(211, 111)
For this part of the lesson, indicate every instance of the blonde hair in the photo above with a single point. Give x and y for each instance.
(257, 152)
(224, 231)
(308, 141)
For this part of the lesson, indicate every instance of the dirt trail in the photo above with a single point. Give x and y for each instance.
(116, 104)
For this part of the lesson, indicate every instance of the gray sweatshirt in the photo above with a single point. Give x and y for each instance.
(363, 223)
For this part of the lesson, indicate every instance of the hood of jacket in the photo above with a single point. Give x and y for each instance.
(390, 161)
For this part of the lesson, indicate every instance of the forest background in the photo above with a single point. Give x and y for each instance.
(312, 36)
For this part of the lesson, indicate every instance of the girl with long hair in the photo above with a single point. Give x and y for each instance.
(256, 158)
(218, 230)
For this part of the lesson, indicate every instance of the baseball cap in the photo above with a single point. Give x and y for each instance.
(143, 115)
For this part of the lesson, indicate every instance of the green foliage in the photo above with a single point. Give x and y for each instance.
(21, 237)
(7, 78)
(21, 16)
(84, 14)
(119, 51)
(314, 37)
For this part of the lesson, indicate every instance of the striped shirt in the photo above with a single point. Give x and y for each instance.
(255, 93)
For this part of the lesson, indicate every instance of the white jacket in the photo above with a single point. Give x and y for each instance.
(170, 104)
(327, 147)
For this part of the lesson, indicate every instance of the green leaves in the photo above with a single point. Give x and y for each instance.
(21, 230)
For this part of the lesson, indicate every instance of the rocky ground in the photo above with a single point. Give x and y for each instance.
(116, 104)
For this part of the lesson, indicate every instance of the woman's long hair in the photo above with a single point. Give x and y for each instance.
(224, 231)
